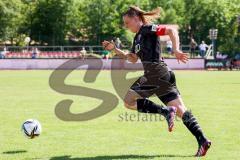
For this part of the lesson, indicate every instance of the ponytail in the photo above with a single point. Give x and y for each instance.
(146, 17)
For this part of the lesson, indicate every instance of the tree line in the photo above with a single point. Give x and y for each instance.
(88, 22)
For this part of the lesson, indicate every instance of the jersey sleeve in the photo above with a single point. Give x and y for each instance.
(154, 30)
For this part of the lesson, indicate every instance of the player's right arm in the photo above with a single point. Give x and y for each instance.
(128, 56)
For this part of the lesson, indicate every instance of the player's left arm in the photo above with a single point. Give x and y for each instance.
(160, 30)
(173, 34)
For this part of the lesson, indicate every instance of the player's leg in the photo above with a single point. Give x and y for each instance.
(130, 99)
(135, 101)
(173, 98)
(191, 123)
(177, 102)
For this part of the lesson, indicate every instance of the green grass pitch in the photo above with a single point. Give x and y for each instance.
(213, 97)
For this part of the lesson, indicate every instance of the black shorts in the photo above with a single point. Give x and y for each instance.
(164, 86)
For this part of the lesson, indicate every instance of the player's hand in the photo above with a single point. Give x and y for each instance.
(108, 45)
(183, 57)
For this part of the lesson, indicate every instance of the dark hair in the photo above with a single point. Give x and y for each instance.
(146, 17)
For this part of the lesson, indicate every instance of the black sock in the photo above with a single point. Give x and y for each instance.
(191, 123)
(147, 106)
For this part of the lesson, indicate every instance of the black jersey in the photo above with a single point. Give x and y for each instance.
(147, 47)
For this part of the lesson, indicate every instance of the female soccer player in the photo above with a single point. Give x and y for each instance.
(158, 78)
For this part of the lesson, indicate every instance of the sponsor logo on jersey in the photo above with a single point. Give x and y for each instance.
(137, 48)
(154, 28)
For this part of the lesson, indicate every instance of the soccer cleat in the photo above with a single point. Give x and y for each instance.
(170, 118)
(203, 148)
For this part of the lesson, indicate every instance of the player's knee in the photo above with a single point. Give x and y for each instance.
(130, 100)
(128, 104)
(180, 110)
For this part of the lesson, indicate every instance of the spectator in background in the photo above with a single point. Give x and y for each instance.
(193, 46)
(3, 53)
(203, 48)
(35, 52)
(219, 55)
(118, 43)
(105, 54)
(169, 47)
(83, 52)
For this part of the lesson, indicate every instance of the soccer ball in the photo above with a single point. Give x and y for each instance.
(31, 128)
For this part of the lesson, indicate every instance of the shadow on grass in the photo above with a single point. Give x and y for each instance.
(120, 157)
(14, 152)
